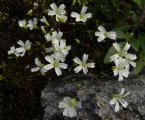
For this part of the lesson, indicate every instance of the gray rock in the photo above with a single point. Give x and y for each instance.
(93, 92)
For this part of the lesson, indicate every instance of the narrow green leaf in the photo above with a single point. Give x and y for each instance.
(138, 68)
(141, 39)
(135, 43)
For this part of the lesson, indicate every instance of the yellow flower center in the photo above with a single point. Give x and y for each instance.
(115, 96)
(56, 64)
(84, 64)
(71, 103)
(81, 16)
(106, 34)
(57, 11)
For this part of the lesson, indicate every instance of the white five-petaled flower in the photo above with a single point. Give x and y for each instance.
(55, 64)
(40, 67)
(83, 65)
(123, 53)
(103, 34)
(59, 12)
(83, 16)
(24, 47)
(121, 69)
(70, 106)
(119, 99)
(32, 23)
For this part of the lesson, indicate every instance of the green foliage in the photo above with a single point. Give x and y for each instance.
(139, 67)
(139, 2)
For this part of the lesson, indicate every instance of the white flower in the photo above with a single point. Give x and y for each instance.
(40, 67)
(103, 34)
(55, 64)
(32, 24)
(24, 47)
(59, 12)
(121, 68)
(70, 106)
(83, 65)
(119, 99)
(22, 23)
(83, 16)
(13, 51)
(123, 53)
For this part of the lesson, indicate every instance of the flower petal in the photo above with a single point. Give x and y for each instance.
(48, 67)
(84, 9)
(91, 65)
(35, 69)
(117, 107)
(113, 101)
(101, 29)
(85, 70)
(123, 103)
(77, 60)
(101, 38)
(37, 62)
(75, 15)
(51, 12)
(58, 71)
(63, 65)
(20, 42)
(88, 15)
(53, 6)
(126, 47)
(85, 57)
(116, 46)
(78, 69)
(112, 35)
(62, 6)
(49, 59)
(97, 33)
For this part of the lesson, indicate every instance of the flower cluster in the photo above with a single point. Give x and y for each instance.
(58, 50)
(20, 51)
(123, 60)
(60, 13)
